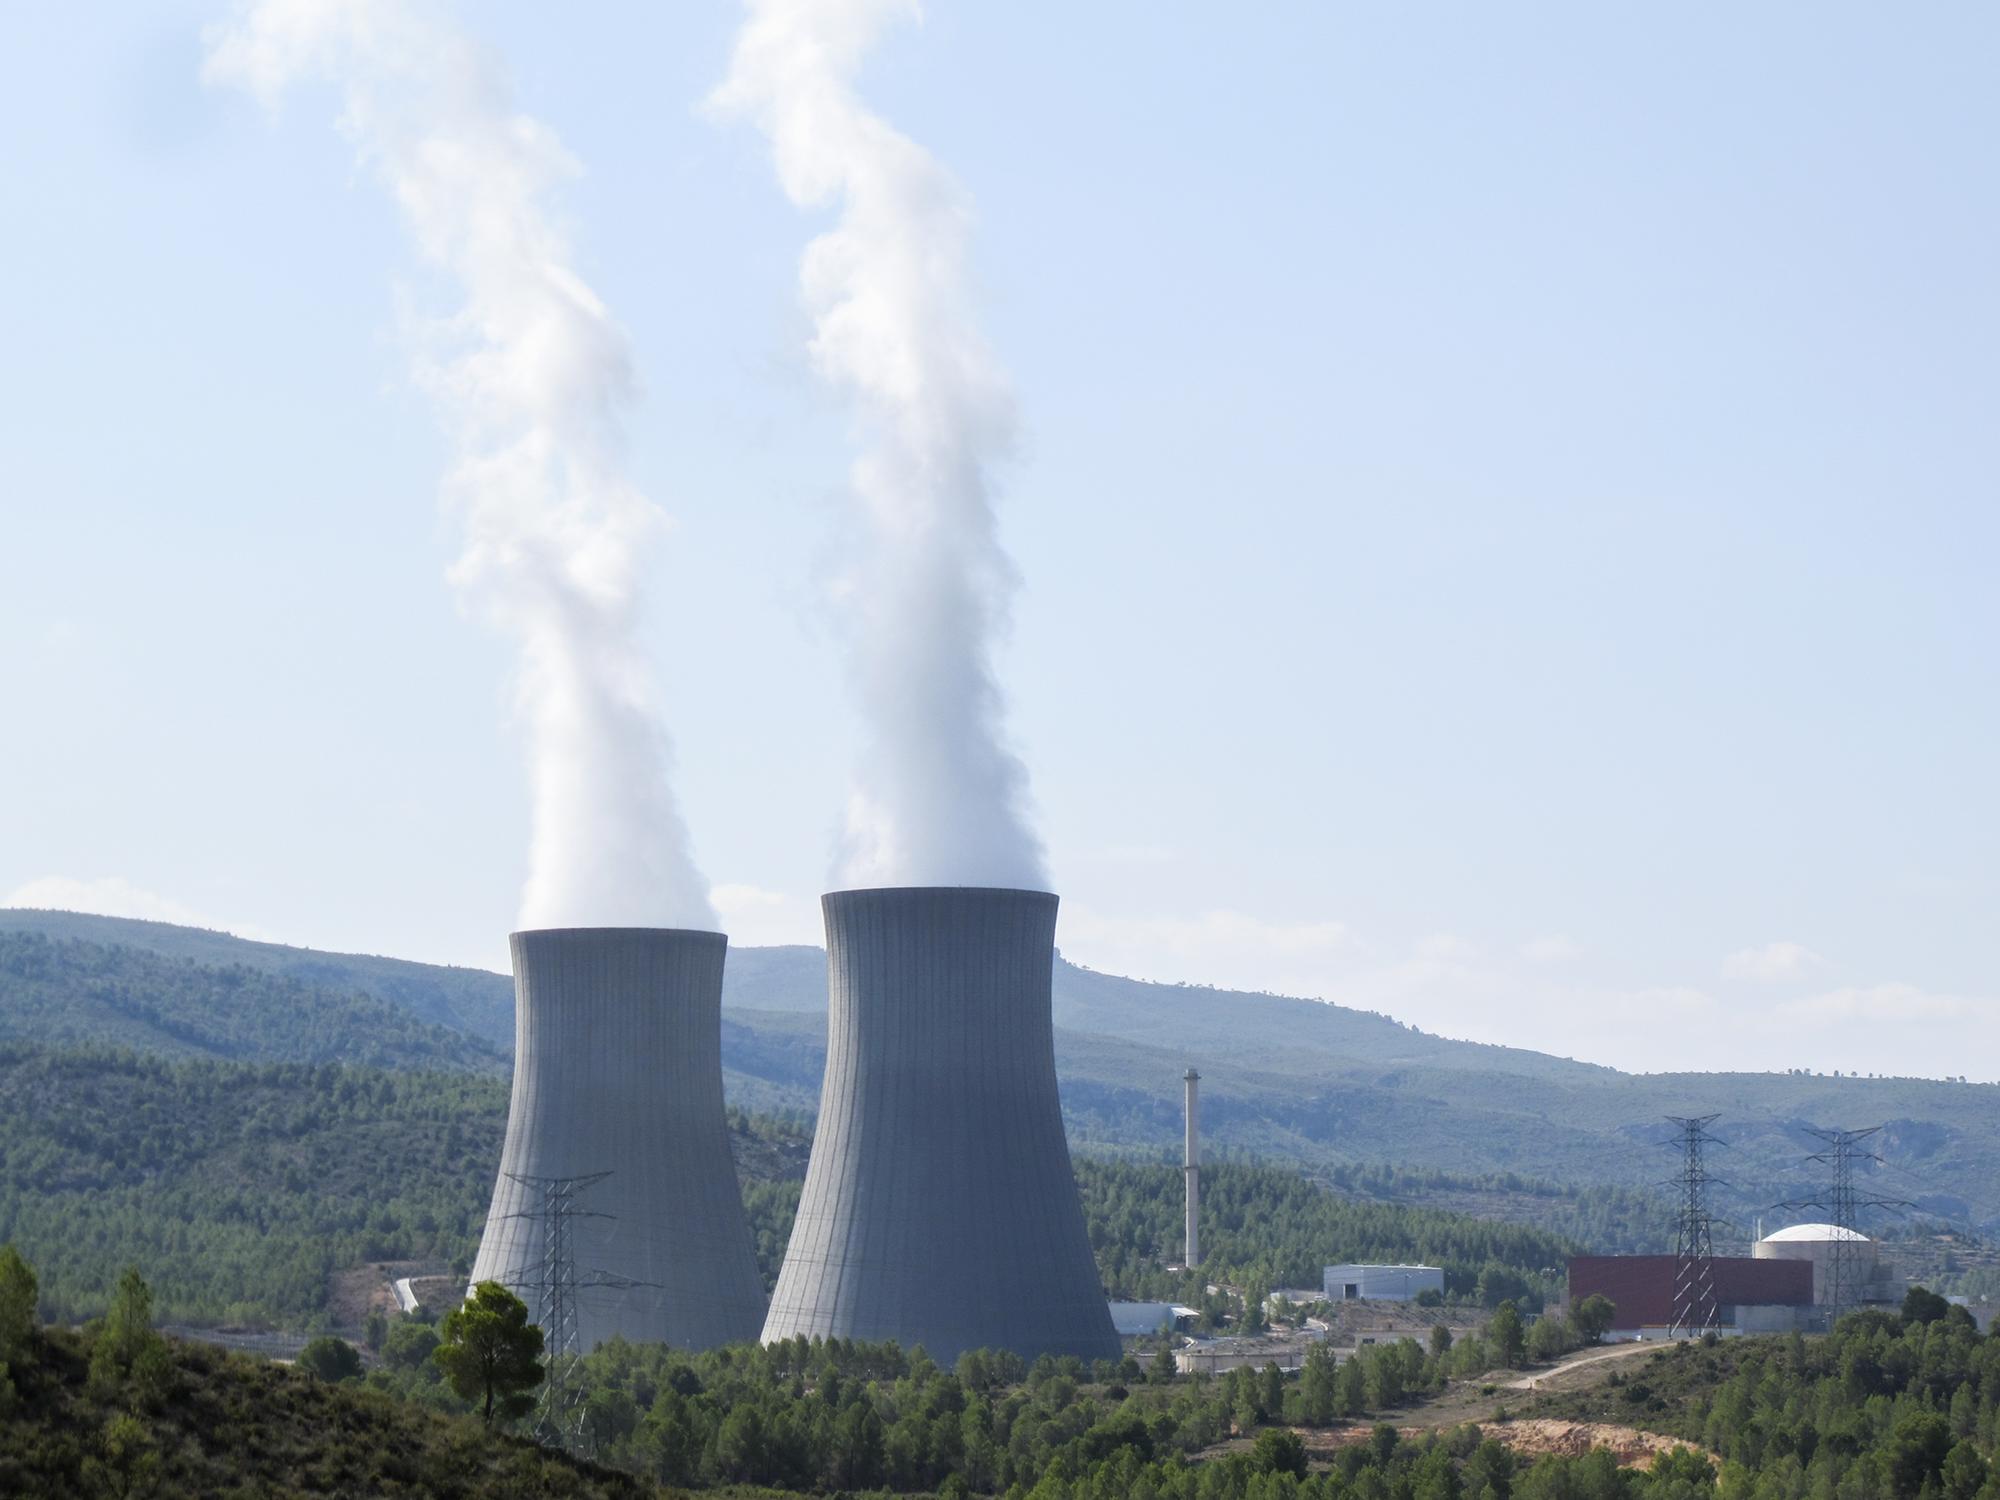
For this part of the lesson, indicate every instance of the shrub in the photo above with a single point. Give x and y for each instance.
(1279, 1451)
(332, 1360)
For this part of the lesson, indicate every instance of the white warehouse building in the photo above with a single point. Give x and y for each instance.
(1382, 1283)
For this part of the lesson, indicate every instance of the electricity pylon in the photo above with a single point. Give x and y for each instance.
(1842, 1206)
(557, 1419)
(1695, 1310)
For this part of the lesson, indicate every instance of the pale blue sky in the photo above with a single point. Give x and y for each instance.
(1506, 511)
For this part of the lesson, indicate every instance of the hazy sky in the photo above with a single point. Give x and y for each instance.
(1504, 507)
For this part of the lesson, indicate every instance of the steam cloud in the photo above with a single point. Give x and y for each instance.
(938, 796)
(533, 377)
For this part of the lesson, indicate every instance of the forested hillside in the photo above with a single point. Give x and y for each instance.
(1272, 1229)
(1297, 1080)
(118, 1411)
(471, 1001)
(243, 1188)
(67, 991)
(1889, 1407)
(1608, 1220)
(1896, 1407)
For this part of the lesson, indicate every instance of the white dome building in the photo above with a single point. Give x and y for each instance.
(1819, 1243)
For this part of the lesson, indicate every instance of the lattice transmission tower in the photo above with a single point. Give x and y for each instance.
(556, 1280)
(1842, 1205)
(1695, 1309)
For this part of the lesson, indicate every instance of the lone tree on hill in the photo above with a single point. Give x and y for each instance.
(490, 1352)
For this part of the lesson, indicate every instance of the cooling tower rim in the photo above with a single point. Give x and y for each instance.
(608, 932)
(937, 890)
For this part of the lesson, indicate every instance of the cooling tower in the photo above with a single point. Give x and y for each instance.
(618, 1071)
(938, 1206)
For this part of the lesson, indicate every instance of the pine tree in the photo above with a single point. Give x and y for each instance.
(1353, 1387)
(1506, 1335)
(1320, 1385)
(490, 1352)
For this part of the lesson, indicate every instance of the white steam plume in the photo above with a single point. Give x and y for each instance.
(938, 796)
(533, 378)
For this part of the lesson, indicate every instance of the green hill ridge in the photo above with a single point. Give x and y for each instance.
(1301, 1080)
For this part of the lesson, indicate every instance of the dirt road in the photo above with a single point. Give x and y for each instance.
(1552, 1379)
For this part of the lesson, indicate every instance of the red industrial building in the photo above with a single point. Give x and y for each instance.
(1751, 1296)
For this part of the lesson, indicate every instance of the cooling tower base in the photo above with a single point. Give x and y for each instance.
(939, 1207)
(617, 1113)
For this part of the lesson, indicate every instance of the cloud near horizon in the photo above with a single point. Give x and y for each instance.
(1553, 949)
(1880, 1002)
(115, 896)
(1548, 994)
(1221, 946)
(754, 917)
(1773, 963)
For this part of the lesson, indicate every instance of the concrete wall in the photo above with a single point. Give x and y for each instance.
(1642, 1286)
(618, 1069)
(1871, 1278)
(1136, 1319)
(1381, 1283)
(939, 1207)
(1767, 1318)
(1214, 1356)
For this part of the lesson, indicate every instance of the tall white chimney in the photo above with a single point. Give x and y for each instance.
(1193, 1168)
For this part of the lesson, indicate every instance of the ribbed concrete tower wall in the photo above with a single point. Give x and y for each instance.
(618, 1069)
(939, 1207)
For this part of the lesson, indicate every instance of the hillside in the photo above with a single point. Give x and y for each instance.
(70, 991)
(270, 1193)
(1302, 1080)
(469, 1001)
(1322, 1084)
(245, 1187)
(206, 1422)
(1885, 1405)
(242, 1187)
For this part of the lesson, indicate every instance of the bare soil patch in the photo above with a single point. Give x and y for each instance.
(1529, 1437)
(354, 1291)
